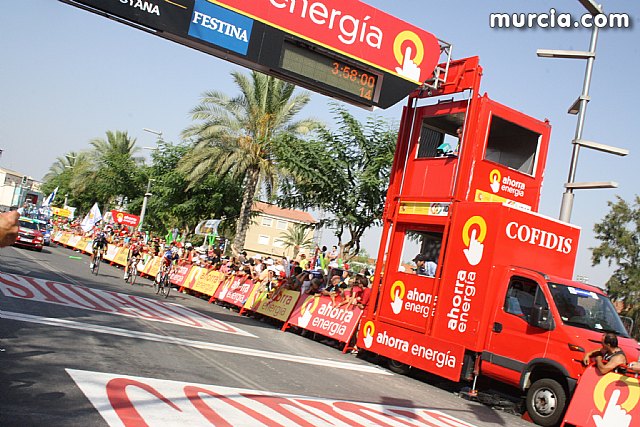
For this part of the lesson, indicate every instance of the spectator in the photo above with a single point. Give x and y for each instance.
(353, 294)
(187, 255)
(305, 281)
(366, 295)
(258, 265)
(333, 289)
(346, 277)
(333, 256)
(284, 262)
(304, 262)
(315, 287)
(424, 266)
(609, 357)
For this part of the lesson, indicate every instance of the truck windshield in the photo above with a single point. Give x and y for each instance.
(30, 225)
(585, 309)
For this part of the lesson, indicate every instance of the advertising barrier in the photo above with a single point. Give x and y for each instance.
(73, 241)
(604, 400)
(145, 259)
(179, 274)
(121, 256)
(316, 314)
(280, 307)
(208, 282)
(152, 267)
(82, 244)
(236, 291)
(64, 239)
(112, 251)
(194, 273)
(319, 314)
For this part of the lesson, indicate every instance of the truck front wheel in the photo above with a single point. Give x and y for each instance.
(546, 401)
(397, 367)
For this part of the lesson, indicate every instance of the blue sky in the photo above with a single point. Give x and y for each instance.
(68, 76)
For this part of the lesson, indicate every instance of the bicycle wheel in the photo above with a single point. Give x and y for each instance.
(133, 273)
(157, 284)
(96, 264)
(166, 286)
(127, 276)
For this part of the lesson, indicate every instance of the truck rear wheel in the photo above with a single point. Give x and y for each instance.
(397, 367)
(546, 401)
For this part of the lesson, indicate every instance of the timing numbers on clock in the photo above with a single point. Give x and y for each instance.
(366, 81)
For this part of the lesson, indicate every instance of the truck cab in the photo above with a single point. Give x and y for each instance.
(497, 298)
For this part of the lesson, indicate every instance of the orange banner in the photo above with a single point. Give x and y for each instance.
(193, 276)
(208, 282)
(64, 239)
(121, 256)
(152, 267)
(81, 244)
(280, 306)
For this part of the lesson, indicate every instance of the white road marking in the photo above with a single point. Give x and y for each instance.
(122, 304)
(124, 400)
(190, 343)
(50, 267)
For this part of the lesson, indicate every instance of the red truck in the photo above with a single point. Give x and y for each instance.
(464, 194)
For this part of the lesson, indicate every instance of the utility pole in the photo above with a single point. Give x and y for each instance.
(579, 108)
(147, 194)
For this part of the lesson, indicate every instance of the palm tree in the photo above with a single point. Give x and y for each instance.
(115, 169)
(238, 136)
(64, 171)
(61, 165)
(297, 237)
(117, 142)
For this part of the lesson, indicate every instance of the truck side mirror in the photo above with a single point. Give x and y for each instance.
(541, 318)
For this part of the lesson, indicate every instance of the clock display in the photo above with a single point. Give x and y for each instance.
(333, 72)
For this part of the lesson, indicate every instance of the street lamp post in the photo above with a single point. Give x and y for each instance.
(147, 194)
(579, 107)
(155, 132)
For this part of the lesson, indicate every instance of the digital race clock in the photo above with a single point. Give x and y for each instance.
(328, 70)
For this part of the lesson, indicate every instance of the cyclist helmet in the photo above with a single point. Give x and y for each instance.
(174, 250)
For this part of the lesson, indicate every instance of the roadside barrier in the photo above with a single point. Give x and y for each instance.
(598, 399)
(604, 400)
(317, 314)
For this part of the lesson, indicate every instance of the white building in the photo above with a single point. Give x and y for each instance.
(17, 188)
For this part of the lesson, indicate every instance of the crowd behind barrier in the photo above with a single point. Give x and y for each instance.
(327, 302)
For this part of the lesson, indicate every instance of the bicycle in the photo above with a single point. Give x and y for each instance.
(131, 271)
(162, 285)
(97, 260)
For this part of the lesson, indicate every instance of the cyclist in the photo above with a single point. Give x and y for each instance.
(170, 255)
(100, 243)
(135, 250)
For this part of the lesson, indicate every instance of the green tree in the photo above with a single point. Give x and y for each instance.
(619, 232)
(116, 171)
(176, 204)
(62, 174)
(237, 137)
(343, 172)
(297, 237)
